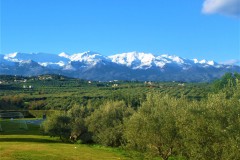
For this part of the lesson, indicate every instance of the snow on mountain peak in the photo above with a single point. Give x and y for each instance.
(139, 60)
(141, 66)
(212, 63)
(204, 61)
(171, 58)
(176, 59)
(195, 60)
(10, 55)
(87, 57)
(134, 59)
(63, 54)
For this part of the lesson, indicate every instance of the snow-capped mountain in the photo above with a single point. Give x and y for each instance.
(43, 59)
(136, 60)
(37, 57)
(88, 57)
(125, 66)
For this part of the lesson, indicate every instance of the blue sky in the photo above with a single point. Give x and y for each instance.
(203, 29)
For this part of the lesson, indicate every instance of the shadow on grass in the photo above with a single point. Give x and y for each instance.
(33, 140)
(8, 128)
(21, 132)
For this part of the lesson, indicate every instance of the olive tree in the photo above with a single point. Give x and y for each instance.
(79, 130)
(212, 129)
(154, 128)
(58, 125)
(106, 123)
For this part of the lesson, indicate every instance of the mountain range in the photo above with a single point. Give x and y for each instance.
(126, 66)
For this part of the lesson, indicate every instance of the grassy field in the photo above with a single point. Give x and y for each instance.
(19, 144)
(36, 147)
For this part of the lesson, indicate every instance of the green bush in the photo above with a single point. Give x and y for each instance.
(154, 127)
(58, 125)
(212, 129)
(106, 123)
(79, 131)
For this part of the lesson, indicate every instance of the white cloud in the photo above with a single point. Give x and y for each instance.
(226, 7)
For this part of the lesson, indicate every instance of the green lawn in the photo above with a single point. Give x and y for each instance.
(42, 147)
(36, 147)
(31, 145)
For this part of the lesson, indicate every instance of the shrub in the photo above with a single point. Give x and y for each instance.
(106, 123)
(58, 125)
(154, 128)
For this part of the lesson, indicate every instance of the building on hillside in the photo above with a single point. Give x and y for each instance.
(115, 85)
